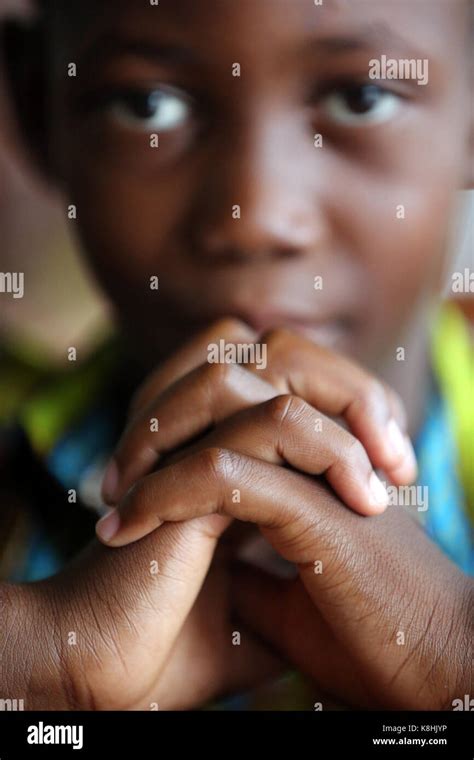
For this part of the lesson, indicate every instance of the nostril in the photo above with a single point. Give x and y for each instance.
(233, 254)
(287, 253)
(270, 232)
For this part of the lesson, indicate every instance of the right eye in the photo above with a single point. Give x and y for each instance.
(361, 105)
(162, 109)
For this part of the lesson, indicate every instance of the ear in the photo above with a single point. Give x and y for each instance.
(23, 43)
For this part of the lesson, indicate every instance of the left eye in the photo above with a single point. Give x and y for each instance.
(160, 110)
(361, 104)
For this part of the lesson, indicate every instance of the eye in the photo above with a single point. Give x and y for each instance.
(160, 110)
(361, 104)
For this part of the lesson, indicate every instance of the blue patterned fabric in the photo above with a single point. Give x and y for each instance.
(446, 520)
(42, 560)
(81, 451)
(82, 448)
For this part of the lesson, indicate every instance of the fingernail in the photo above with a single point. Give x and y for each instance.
(410, 459)
(110, 482)
(108, 525)
(378, 492)
(396, 439)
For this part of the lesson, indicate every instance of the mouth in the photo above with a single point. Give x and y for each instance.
(330, 331)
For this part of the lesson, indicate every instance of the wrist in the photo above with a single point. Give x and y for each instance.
(462, 648)
(31, 664)
(451, 676)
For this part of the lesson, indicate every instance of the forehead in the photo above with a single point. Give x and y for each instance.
(255, 28)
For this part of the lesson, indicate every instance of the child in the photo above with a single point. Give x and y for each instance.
(238, 179)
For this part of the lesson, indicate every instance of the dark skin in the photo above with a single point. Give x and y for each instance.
(304, 212)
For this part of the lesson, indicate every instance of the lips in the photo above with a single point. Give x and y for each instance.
(330, 331)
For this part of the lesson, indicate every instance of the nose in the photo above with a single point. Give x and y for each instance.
(257, 203)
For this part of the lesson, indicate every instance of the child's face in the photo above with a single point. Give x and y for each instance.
(249, 141)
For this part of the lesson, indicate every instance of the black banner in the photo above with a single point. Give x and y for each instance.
(370, 734)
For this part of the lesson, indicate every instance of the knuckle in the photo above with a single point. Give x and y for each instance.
(286, 408)
(219, 375)
(226, 326)
(372, 394)
(219, 382)
(398, 407)
(276, 337)
(355, 452)
(219, 462)
(220, 466)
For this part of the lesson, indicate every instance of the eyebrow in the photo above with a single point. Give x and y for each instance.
(111, 46)
(366, 39)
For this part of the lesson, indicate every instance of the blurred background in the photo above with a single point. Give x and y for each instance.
(34, 239)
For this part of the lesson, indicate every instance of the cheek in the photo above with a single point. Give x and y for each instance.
(400, 233)
(126, 226)
(130, 202)
(412, 244)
